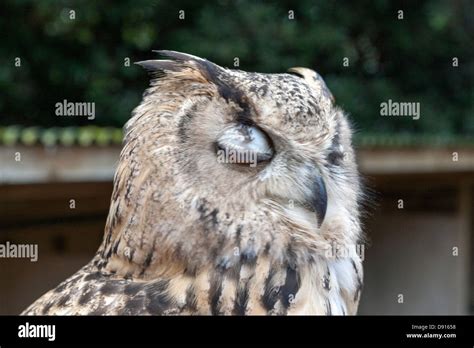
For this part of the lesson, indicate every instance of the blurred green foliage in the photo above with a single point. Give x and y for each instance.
(82, 59)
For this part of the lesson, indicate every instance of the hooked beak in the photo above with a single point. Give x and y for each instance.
(319, 198)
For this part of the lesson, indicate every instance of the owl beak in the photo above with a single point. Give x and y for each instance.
(319, 199)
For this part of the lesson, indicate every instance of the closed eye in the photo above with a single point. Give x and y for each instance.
(244, 144)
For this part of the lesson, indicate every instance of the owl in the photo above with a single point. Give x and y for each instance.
(236, 193)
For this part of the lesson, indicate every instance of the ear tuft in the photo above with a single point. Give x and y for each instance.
(313, 79)
(296, 71)
(159, 66)
(184, 57)
(183, 66)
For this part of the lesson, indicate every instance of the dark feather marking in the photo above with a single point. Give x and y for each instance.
(101, 264)
(223, 263)
(241, 300)
(226, 266)
(213, 214)
(111, 287)
(86, 295)
(205, 215)
(109, 254)
(93, 276)
(157, 304)
(262, 91)
(233, 272)
(98, 311)
(183, 137)
(319, 199)
(130, 257)
(270, 295)
(326, 280)
(355, 269)
(291, 286)
(291, 256)
(157, 299)
(235, 95)
(115, 248)
(178, 250)
(109, 235)
(248, 257)
(215, 293)
(158, 286)
(315, 107)
(135, 305)
(148, 260)
(62, 300)
(47, 307)
(191, 270)
(117, 218)
(127, 191)
(335, 156)
(359, 282)
(357, 292)
(132, 288)
(238, 236)
(61, 286)
(191, 299)
(213, 74)
(267, 249)
(328, 308)
(229, 93)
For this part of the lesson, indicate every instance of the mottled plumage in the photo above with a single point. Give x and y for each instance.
(188, 234)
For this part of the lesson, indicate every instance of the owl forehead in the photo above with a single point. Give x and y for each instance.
(296, 102)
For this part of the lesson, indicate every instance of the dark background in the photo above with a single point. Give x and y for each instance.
(83, 59)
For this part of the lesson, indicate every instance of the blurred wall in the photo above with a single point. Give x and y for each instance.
(411, 251)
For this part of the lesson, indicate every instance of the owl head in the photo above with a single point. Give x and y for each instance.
(220, 166)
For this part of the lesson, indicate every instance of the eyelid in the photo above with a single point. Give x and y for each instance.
(246, 138)
(260, 139)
